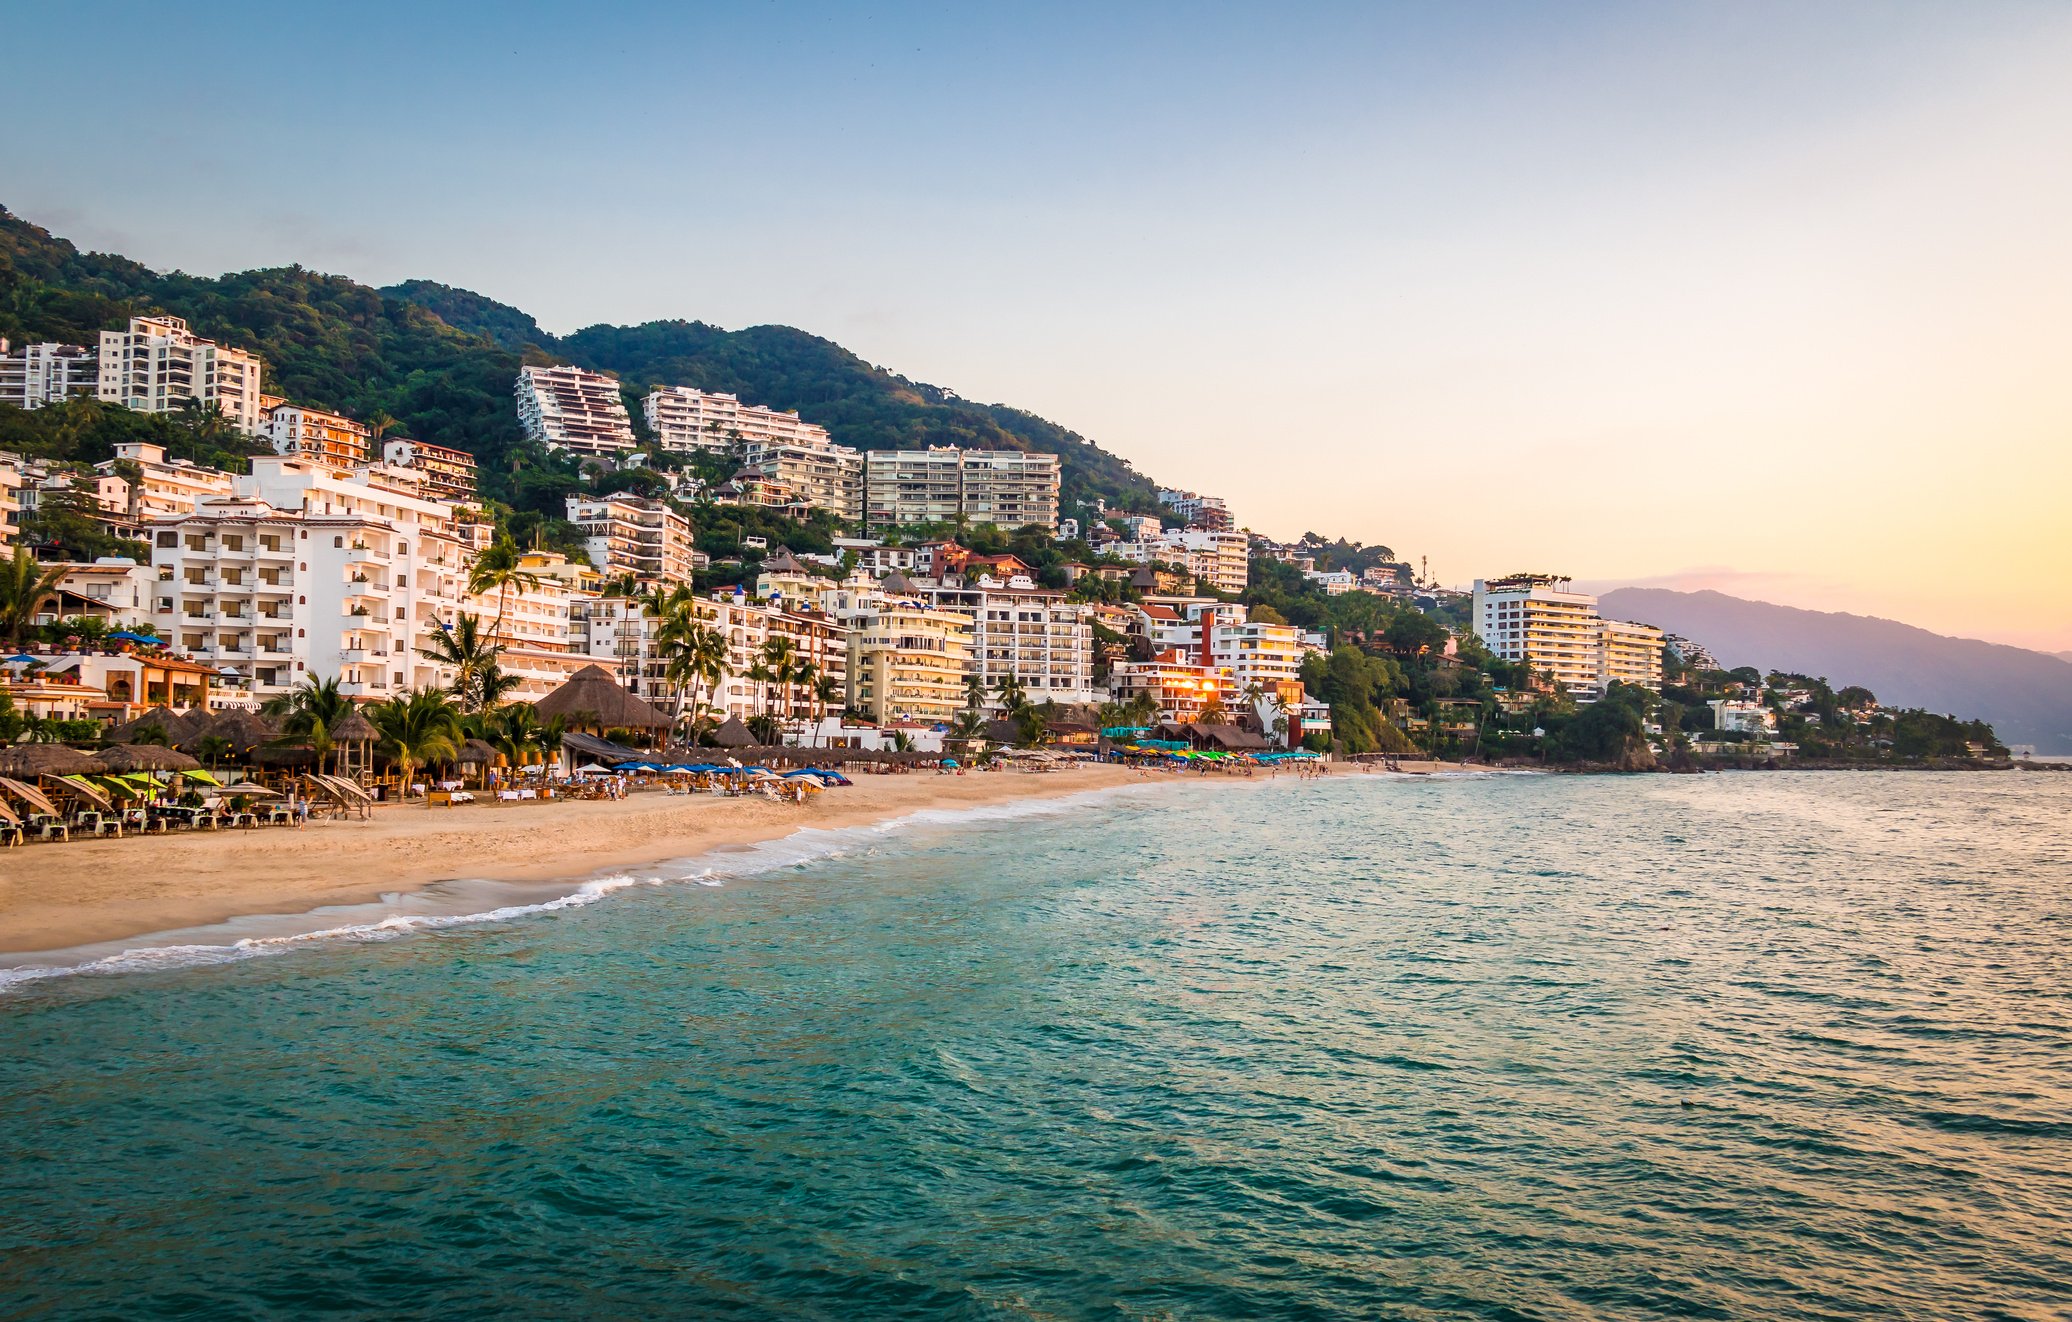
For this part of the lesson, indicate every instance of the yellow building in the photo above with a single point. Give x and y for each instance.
(908, 661)
(1630, 653)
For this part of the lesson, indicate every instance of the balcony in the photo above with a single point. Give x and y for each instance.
(362, 688)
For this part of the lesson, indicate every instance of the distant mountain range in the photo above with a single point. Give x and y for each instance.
(2026, 695)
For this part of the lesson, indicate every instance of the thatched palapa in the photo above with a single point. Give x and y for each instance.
(34, 760)
(144, 757)
(592, 697)
(733, 734)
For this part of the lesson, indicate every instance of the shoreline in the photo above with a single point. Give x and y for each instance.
(55, 899)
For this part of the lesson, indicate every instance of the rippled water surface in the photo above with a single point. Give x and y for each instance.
(1783, 1046)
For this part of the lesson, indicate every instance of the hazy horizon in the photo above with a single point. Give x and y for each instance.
(1746, 297)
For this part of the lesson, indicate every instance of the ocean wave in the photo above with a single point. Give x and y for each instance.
(807, 845)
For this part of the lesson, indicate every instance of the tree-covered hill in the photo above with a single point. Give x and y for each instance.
(442, 360)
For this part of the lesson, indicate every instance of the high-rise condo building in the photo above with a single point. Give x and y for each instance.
(308, 573)
(1025, 632)
(32, 375)
(331, 439)
(159, 366)
(686, 419)
(907, 661)
(1200, 511)
(449, 474)
(634, 535)
(824, 476)
(566, 408)
(1534, 618)
(945, 484)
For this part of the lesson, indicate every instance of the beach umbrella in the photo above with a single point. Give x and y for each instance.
(83, 788)
(144, 757)
(29, 794)
(205, 777)
(22, 660)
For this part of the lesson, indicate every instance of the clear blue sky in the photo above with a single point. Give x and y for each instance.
(1746, 294)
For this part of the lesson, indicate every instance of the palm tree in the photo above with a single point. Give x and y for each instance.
(377, 423)
(974, 691)
(463, 646)
(967, 728)
(780, 661)
(212, 749)
(310, 711)
(1014, 695)
(825, 691)
(498, 568)
(23, 586)
(418, 730)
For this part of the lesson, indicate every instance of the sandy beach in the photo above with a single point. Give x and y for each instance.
(58, 896)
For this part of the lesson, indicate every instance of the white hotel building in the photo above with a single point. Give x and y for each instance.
(686, 419)
(33, 375)
(948, 485)
(1534, 618)
(1022, 630)
(821, 476)
(304, 572)
(158, 365)
(567, 408)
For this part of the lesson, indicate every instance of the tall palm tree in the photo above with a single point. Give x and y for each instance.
(780, 659)
(378, 423)
(213, 749)
(418, 730)
(499, 567)
(974, 691)
(23, 585)
(825, 691)
(463, 646)
(309, 712)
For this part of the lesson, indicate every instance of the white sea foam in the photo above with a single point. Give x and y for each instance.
(448, 905)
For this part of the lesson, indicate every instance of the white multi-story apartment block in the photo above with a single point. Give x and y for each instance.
(1534, 618)
(11, 466)
(163, 488)
(683, 418)
(634, 535)
(303, 572)
(1021, 630)
(1220, 559)
(907, 661)
(532, 623)
(1266, 658)
(567, 408)
(37, 374)
(824, 476)
(331, 439)
(945, 484)
(1180, 687)
(1742, 717)
(1207, 512)
(619, 631)
(449, 474)
(159, 366)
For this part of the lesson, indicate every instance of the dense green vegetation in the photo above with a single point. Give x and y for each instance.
(442, 362)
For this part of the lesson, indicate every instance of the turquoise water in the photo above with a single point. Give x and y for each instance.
(1758, 1046)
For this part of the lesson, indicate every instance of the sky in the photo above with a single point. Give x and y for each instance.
(1773, 298)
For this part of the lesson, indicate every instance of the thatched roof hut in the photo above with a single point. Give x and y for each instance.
(355, 729)
(243, 729)
(32, 760)
(733, 734)
(175, 725)
(592, 697)
(284, 755)
(477, 752)
(144, 757)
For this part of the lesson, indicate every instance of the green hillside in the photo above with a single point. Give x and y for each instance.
(442, 361)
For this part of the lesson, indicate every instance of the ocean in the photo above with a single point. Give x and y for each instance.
(1771, 1046)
